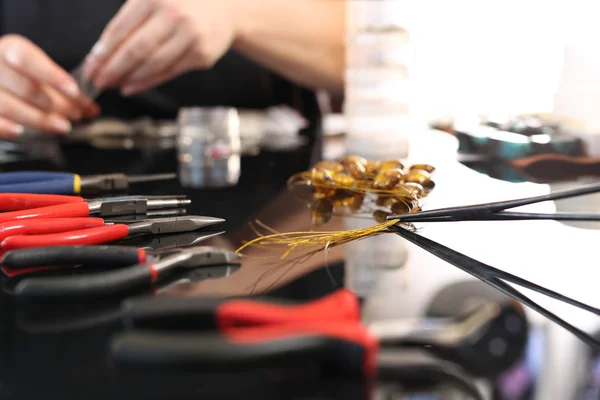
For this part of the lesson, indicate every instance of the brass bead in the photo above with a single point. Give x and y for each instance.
(332, 167)
(388, 179)
(321, 211)
(355, 166)
(423, 167)
(381, 216)
(321, 182)
(391, 164)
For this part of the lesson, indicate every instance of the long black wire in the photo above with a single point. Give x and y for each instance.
(495, 278)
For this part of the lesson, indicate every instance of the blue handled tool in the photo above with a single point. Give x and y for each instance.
(41, 182)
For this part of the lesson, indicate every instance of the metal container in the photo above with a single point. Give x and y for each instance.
(209, 147)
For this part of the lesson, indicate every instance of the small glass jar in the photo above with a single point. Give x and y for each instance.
(209, 147)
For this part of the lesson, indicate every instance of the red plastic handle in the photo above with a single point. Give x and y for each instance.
(71, 210)
(12, 273)
(98, 235)
(44, 226)
(23, 201)
(341, 305)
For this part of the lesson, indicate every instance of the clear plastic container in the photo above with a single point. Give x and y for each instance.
(209, 147)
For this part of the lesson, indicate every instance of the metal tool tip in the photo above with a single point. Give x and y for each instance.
(233, 256)
(184, 202)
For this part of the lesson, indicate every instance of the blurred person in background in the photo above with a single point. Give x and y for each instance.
(155, 56)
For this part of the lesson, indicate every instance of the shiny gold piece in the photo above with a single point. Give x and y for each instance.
(321, 181)
(355, 166)
(417, 176)
(321, 211)
(402, 207)
(353, 201)
(423, 167)
(332, 167)
(381, 216)
(388, 179)
(413, 188)
(342, 180)
(428, 186)
(372, 167)
(385, 201)
(391, 164)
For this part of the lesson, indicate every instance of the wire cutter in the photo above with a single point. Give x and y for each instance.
(87, 231)
(42, 182)
(104, 207)
(497, 211)
(140, 270)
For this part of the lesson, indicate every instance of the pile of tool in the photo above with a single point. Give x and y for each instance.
(46, 228)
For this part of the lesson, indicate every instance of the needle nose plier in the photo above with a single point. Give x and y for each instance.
(139, 268)
(72, 206)
(88, 231)
(43, 182)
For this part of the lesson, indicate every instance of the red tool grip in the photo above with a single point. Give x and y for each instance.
(13, 273)
(24, 201)
(342, 305)
(44, 226)
(71, 210)
(98, 235)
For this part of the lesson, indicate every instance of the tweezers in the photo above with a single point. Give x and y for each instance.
(496, 211)
(498, 278)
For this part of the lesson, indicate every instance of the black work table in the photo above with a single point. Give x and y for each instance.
(59, 350)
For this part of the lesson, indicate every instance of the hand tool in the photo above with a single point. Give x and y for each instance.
(27, 260)
(102, 207)
(498, 279)
(43, 318)
(173, 333)
(114, 282)
(162, 242)
(64, 234)
(65, 183)
(495, 211)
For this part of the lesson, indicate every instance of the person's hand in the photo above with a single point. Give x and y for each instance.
(151, 41)
(35, 92)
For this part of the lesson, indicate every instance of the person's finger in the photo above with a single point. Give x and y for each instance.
(136, 49)
(9, 129)
(168, 54)
(137, 87)
(62, 106)
(30, 60)
(15, 109)
(25, 88)
(130, 17)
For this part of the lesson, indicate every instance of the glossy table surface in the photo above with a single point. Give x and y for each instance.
(60, 349)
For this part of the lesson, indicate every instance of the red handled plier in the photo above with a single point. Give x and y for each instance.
(32, 206)
(87, 231)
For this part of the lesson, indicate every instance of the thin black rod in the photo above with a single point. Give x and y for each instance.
(507, 216)
(491, 208)
(492, 276)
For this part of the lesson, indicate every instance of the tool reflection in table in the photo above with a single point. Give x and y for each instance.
(88, 231)
(65, 183)
(233, 334)
(133, 268)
